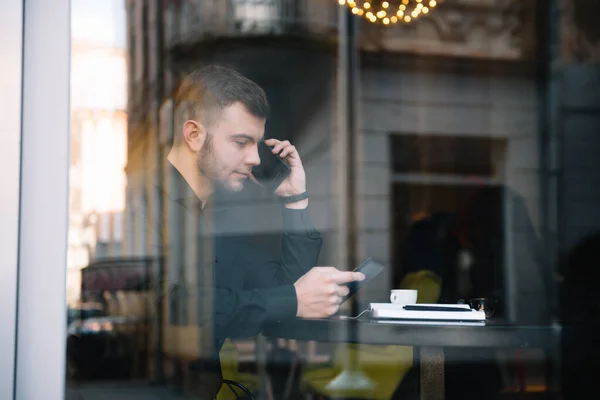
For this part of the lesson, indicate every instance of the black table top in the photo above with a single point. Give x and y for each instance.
(494, 334)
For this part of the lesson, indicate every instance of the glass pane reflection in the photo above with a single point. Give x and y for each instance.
(469, 131)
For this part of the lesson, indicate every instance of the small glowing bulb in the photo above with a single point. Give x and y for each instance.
(425, 10)
(394, 19)
(407, 18)
(361, 12)
(385, 4)
(370, 15)
(386, 21)
(419, 1)
(367, 5)
(342, 2)
(432, 3)
(400, 14)
(381, 14)
(403, 7)
(355, 10)
(405, 2)
(373, 19)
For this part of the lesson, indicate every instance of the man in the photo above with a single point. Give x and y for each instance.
(219, 120)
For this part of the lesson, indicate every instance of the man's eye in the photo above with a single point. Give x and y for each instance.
(241, 142)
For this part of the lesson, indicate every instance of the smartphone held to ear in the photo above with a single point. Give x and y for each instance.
(272, 169)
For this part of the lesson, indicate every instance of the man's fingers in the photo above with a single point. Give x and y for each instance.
(343, 291)
(346, 276)
(337, 276)
(337, 290)
(333, 309)
(277, 145)
(289, 150)
(284, 153)
(285, 150)
(277, 149)
(327, 269)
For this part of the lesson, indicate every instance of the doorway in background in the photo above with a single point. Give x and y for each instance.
(447, 211)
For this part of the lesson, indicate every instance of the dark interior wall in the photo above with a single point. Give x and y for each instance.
(293, 76)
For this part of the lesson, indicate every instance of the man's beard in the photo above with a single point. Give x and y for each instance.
(207, 165)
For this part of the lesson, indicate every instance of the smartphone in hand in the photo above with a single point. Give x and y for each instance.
(272, 169)
(370, 268)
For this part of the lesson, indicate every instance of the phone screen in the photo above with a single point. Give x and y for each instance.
(370, 268)
(272, 169)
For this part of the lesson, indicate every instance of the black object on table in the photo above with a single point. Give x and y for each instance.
(417, 307)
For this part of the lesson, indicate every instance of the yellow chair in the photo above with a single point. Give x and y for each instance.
(386, 366)
(427, 283)
(229, 357)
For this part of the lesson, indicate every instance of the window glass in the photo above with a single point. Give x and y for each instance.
(452, 143)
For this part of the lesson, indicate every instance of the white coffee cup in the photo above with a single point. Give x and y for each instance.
(403, 296)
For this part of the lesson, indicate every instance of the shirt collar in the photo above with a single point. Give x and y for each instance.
(181, 192)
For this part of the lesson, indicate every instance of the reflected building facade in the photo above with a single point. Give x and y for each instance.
(97, 156)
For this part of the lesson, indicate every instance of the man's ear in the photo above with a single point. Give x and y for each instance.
(194, 135)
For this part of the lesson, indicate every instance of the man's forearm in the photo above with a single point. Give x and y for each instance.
(301, 245)
(241, 313)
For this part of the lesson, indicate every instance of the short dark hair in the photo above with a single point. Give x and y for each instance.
(205, 92)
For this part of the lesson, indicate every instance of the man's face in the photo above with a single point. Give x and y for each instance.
(230, 149)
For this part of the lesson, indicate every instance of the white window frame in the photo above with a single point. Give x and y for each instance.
(34, 174)
(11, 68)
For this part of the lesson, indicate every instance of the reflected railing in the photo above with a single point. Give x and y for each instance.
(492, 29)
(191, 21)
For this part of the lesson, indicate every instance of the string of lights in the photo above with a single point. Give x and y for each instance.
(390, 11)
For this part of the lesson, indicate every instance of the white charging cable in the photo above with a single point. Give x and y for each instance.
(356, 317)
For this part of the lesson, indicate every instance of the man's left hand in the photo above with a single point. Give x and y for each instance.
(295, 183)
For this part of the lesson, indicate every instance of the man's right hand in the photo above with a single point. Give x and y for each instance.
(320, 291)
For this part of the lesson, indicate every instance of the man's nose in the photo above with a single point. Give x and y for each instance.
(253, 158)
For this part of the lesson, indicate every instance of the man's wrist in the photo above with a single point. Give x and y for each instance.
(282, 302)
(298, 221)
(296, 201)
(297, 205)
